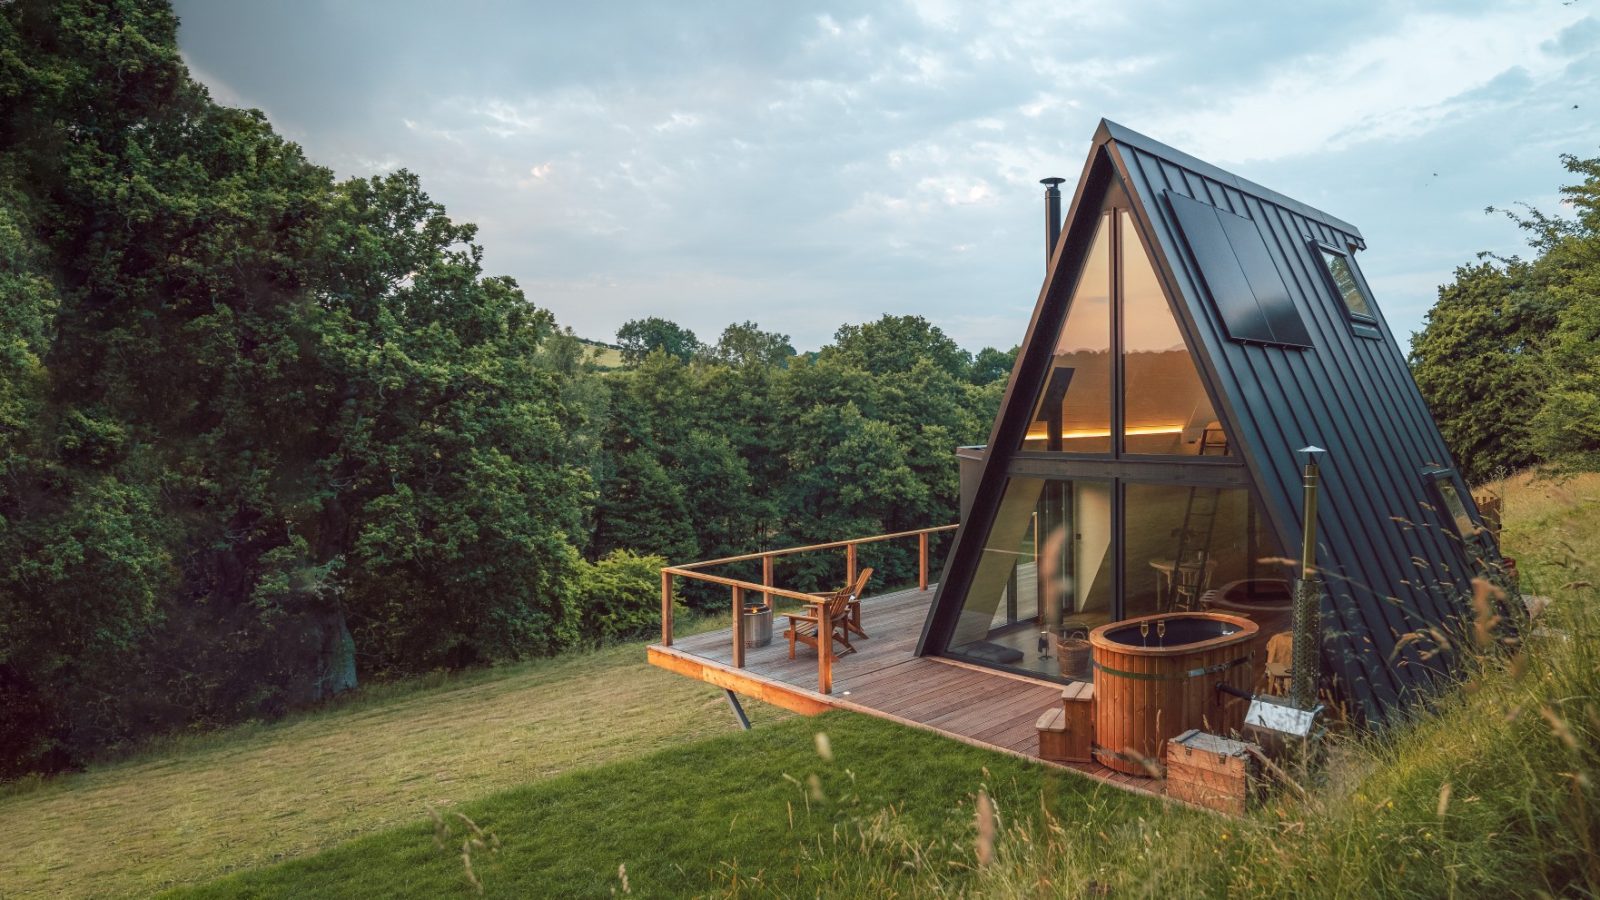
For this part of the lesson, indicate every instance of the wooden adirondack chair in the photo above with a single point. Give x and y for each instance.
(831, 613)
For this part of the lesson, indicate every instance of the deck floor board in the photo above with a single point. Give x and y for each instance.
(884, 677)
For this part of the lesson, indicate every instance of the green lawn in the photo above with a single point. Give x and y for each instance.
(190, 810)
(761, 811)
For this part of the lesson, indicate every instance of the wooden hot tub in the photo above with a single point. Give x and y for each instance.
(1156, 677)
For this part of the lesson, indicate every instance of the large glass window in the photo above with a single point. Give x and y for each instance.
(1191, 548)
(1166, 410)
(1073, 414)
(1045, 572)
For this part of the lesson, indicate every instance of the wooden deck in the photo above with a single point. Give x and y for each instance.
(984, 707)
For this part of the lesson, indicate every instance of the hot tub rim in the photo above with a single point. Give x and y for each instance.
(1283, 605)
(1247, 632)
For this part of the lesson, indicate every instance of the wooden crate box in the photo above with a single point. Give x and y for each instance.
(1213, 772)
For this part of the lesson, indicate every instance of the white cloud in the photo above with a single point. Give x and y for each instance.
(1389, 86)
(804, 166)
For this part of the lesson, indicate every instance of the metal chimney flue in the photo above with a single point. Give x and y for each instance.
(1307, 662)
(1052, 216)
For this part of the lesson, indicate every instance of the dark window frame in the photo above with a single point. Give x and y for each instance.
(1119, 478)
(1362, 324)
(1437, 478)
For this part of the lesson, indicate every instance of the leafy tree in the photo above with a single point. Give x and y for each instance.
(1479, 363)
(255, 425)
(895, 343)
(745, 344)
(1567, 426)
(619, 596)
(1509, 359)
(991, 365)
(638, 338)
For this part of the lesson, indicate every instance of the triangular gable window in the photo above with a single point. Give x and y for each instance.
(1166, 410)
(1165, 407)
(1073, 414)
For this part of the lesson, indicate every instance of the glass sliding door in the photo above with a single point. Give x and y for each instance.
(1065, 554)
(1046, 562)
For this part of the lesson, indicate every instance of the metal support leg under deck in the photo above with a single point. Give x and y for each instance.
(738, 711)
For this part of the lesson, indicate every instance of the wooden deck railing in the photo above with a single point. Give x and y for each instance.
(767, 590)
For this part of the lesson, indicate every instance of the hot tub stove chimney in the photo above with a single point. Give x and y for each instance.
(1291, 729)
(1307, 661)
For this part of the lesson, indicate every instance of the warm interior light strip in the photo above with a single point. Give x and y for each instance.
(1042, 434)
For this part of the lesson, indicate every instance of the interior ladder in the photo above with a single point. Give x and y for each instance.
(1199, 527)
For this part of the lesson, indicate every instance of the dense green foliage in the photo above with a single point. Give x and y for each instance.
(1509, 358)
(263, 431)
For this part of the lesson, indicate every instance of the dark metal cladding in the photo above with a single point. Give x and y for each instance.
(1391, 559)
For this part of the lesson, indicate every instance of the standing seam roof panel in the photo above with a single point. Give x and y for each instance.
(1348, 536)
(1377, 412)
(1349, 533)
(1257, 413)
(1397, 421)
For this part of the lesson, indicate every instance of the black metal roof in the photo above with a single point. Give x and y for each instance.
(1393, 563)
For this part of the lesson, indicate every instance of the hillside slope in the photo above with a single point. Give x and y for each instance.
(253, 796)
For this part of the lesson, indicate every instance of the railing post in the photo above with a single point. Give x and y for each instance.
(825, 645)
(849, 566)
(738, 627)
(666, 608)
(922, 561)
(766, 578)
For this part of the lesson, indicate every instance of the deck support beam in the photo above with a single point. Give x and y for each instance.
(738, 710)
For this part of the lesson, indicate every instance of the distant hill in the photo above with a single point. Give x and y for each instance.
(606, 356)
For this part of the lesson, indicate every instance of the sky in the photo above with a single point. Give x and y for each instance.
(806, 165)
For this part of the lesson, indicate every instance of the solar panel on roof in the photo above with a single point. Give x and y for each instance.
(1237, 269)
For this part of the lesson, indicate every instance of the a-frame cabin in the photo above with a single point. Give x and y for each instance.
(1194, 332)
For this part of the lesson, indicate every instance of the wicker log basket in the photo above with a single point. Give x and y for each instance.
(1072, 651)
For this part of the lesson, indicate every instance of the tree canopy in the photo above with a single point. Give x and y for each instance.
(264, 432)
(1509, 357)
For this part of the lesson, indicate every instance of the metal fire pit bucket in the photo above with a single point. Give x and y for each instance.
(757, 626)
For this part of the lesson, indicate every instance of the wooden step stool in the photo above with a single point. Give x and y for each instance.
(1213, 772)
(1066, 733)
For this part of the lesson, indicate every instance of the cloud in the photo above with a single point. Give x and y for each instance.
(1384, 87)
(805, 165)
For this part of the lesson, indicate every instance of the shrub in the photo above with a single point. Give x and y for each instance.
(618, 596)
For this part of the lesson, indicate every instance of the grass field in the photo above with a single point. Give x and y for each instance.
(198, 809)
(1498, 793)
(757, 812)
(604, 356)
